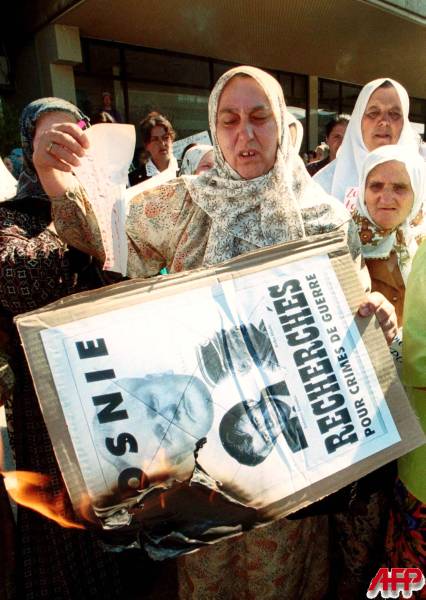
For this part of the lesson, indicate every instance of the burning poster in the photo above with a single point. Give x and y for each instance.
(216, 406)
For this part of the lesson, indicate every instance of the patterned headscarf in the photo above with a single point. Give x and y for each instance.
(404, 239)
(192, 158)
(268, 209)
(353, 151)
(28, 183)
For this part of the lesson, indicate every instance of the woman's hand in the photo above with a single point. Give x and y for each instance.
(377, 304)
(58, 146)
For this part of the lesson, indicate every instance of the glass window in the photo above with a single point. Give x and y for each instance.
(186, 108)
(295, 89)
(219, 69)
(350, 94)
(99, 59)
(418, 115)
(165, 68)
(89, 94)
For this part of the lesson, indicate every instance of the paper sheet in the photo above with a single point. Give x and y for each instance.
(8, 183)
(103, 173)
(198, 138)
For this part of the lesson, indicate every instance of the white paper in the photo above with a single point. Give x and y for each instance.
(103, 173)
(198, 138)
(262, 348)
(8, 183)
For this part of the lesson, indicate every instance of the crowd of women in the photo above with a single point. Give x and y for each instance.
(253, 191)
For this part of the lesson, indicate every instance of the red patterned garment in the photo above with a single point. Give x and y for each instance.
(406, 536)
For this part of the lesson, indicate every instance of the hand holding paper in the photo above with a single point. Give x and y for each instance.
(103, 174)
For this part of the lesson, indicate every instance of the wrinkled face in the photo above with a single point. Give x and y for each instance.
(246, 128)
(388, 194)
(206, 163)
(160, 145)
(167, 410)
(335, 139)
(382, 121)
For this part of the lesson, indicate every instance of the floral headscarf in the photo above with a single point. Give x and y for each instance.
(353, 151)
(266, 210)
(192, 158)
(28, 183)
(404, 239)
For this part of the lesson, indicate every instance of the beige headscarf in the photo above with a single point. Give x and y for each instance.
(266, 210)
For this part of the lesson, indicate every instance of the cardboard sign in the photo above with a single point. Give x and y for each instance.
(197, 405)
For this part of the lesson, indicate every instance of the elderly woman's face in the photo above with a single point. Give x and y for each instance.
(388, 194)
(246, 128)
(382, 121)
(206, 163)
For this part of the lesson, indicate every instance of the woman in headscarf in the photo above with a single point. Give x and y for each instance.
(296, 132)
(197, 159)
(389, 218)
(257, 194)
(380, 117)
(36, 267)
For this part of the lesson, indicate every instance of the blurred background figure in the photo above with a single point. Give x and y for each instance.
(102, 117)
(334, 133)
(16, 157)
(321, 151)
(296, 131)
(157, 135)
(197, 159)
(8, 164)
(107, 106)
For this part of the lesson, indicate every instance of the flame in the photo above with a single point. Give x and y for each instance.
(31, 490)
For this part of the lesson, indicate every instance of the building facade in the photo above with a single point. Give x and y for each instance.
(167, 55)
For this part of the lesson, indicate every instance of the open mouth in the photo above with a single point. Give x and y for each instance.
(247, 153)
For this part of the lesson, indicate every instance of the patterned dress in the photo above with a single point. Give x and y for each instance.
(36, 268)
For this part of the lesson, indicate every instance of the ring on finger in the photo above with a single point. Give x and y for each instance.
(49, 147)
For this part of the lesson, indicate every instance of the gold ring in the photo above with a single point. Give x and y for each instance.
(49, 147)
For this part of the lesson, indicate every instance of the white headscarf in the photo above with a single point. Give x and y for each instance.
(268, 209)
(292, 120)
(192, 158)
(404, 239)
(353, 151)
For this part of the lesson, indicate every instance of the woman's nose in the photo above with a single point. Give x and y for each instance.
(386, 195)
(246, 130)
(384, 119)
